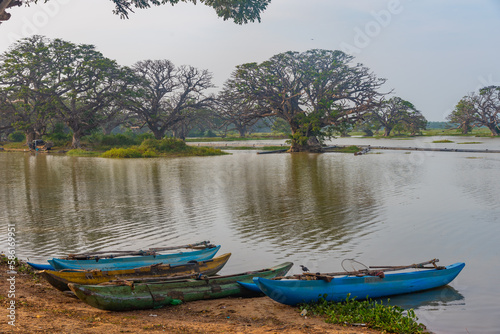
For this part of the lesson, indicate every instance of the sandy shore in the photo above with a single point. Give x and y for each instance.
(39, 308)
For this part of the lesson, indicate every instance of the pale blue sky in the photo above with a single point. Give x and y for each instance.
(431, 52)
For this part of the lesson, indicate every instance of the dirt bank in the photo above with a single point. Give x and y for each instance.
(39, 308)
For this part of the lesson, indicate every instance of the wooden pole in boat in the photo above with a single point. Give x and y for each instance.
(364, 272)
(151, 251)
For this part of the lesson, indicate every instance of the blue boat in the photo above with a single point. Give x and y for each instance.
(39, 266)
(135, 261)
(250, 286)
(296, 291)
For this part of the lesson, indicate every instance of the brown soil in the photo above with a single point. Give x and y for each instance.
(39, 308)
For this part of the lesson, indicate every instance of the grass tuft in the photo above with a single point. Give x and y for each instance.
(82, 153)
(443, 141)
(349, 149)
(131, 152)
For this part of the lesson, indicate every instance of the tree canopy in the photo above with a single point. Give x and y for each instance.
(479, 109)
(240, 11)
(487, 106)
(315, 92)
(41, 79)
(398, 112)
(170, 95)
(25, 79)
(463, 115)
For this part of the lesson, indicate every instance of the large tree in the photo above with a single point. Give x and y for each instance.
(5, 120)
(191, 119)
(25, 82)
(235, 111)
(487, 106)
(90, 89)
(316, 92)
(170, 94)
(463, 115)
(415, 122)
(396, 111)
(121, 116)
(43, 78)
(240, 11)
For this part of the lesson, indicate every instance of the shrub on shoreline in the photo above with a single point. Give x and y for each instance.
(375, 315)
(131, 152)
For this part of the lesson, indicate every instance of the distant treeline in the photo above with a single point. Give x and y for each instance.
(441, 125)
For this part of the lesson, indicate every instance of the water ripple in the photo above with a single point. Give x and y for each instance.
(311, 209)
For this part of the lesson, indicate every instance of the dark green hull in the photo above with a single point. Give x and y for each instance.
(153, 295)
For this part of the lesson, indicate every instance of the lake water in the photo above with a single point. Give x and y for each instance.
(383, 208)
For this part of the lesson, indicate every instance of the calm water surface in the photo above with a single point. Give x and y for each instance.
(384, 208)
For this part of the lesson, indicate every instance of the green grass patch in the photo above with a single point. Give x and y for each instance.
(471, 142)
(131, 152)
(151, 148)
(374, 315)
(14, 145)
(204, 151)
(442, 141)
(82, 153)
(19, 266)
(349, 149)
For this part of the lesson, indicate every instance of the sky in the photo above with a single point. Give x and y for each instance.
(432, 53)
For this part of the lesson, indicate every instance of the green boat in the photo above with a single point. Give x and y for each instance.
(126, 296)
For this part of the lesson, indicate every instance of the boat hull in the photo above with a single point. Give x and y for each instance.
(135, 261)
(60, 279)
(158, 294)
(250, 286)
(293, 292)
(39, 266)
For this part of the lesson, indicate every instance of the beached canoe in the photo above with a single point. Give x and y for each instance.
(138, 296)
(250, 286)
(135, 261)
(39, 266)
(60, 279)
(112, 255)
(296, 291)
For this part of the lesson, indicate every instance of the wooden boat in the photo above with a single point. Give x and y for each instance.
(296, 291)
(114, 254)
(60, 279)
(134, 261)
(137, 296)
(39, 266)
(250, 286)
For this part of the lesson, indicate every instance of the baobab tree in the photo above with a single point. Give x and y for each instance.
(397, 111)
(314, 92)
(487, 106)
(168, 95)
